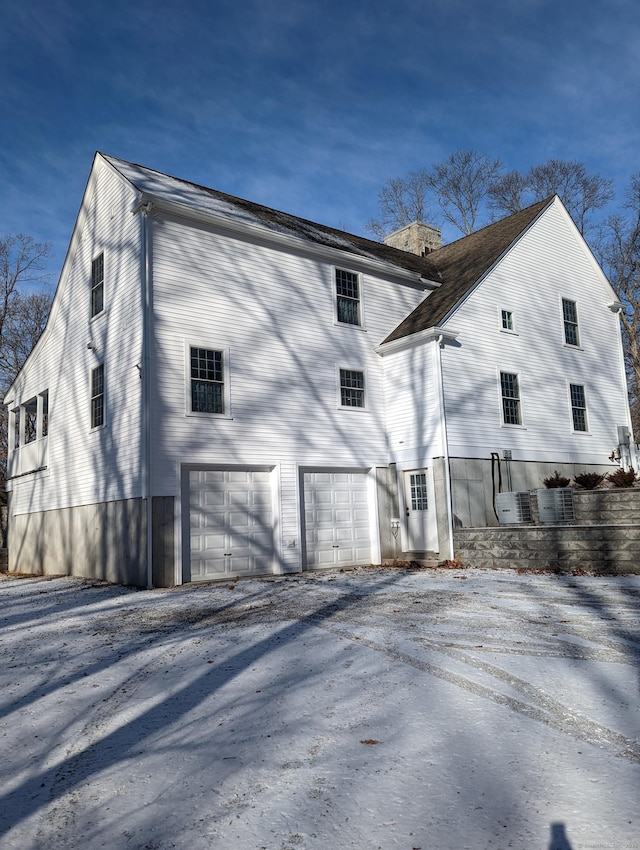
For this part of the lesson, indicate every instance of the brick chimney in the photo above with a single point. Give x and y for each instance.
(416, 238)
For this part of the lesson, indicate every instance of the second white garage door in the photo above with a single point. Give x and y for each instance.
(336, 514)
(231, 523)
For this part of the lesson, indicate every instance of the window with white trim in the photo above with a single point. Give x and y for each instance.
(207, 380)
(348, 305)
(506, 317)
(510, 392)
(570, 320)
(30, 420)
(97, 396)
(16, 427)
(578, 407)
(351, 388)
(44, 415)
(97, 285)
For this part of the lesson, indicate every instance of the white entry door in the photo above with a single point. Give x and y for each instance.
(336, 516)
(421, 528)
(231, 523)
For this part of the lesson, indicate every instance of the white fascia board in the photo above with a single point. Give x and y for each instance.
(290, 241)
(413, 340)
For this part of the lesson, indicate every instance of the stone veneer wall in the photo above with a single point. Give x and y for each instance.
(604, 538)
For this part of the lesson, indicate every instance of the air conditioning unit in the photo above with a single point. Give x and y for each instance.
(514, 508)
(556, 505)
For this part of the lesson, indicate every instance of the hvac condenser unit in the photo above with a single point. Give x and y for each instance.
(513, 508)
(556, 505)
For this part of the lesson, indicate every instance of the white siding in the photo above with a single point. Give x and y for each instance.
(274, 313)
(412, 399)
(550, 262)
(83, 466)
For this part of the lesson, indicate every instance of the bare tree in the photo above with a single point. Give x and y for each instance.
(619, 248)
(401, 201)
(21, 261)
(460, 185)
(457, 186)
(508, 193)
(581, 193)
(23, 326)
(22, 316)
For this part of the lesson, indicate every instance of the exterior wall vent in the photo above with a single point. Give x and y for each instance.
(514, 508)
(556, 505)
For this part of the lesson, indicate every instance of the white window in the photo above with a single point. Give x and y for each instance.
(97, 285)
(570, 319)
(578, 407)
(348, 301)
(30, 420)
(15, 414)
(510, 392)
(506, 319)
(97, 396)
(351, 388)
(44, 415)
(207, 387)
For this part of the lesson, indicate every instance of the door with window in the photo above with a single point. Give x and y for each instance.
(420, 515)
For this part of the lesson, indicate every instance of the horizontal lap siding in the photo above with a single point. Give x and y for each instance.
(274, 311)
(549, 263)
(412, 401)
(89, 467)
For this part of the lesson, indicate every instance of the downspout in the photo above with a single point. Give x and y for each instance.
(146, 386)
(445, 449)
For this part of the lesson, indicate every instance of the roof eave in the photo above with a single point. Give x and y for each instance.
(419, 338)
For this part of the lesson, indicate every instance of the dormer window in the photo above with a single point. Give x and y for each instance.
(348, 297)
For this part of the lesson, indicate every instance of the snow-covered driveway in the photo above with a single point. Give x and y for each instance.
(365, 709)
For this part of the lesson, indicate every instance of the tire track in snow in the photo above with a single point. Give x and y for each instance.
(548, 711)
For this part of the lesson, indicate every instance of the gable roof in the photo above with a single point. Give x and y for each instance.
(455, 269)
(172, 190)
(461, 264)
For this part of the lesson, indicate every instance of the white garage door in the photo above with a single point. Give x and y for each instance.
(231, 523)
(336, 513)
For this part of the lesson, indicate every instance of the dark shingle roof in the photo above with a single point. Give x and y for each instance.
(457, 266)
(461, 264)
(155, 184)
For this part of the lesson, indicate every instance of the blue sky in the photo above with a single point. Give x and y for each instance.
(309, 107)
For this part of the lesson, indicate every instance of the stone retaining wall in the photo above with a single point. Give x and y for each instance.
(605, 538)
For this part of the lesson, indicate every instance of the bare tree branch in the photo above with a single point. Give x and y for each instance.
(460, 184)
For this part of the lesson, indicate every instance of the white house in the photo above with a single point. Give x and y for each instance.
(223, 389)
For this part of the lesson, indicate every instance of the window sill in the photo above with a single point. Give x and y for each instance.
(98, 316)
(194, 414)
(572, 347)
(513, 427)
(338, 324)
(510, 333)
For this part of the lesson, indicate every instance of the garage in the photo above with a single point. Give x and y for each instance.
(337, 518)
(230, 523)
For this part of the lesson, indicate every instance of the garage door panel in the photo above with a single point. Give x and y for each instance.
(231, 521)
(336, 518)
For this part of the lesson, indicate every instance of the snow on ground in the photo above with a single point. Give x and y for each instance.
(365, 709)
